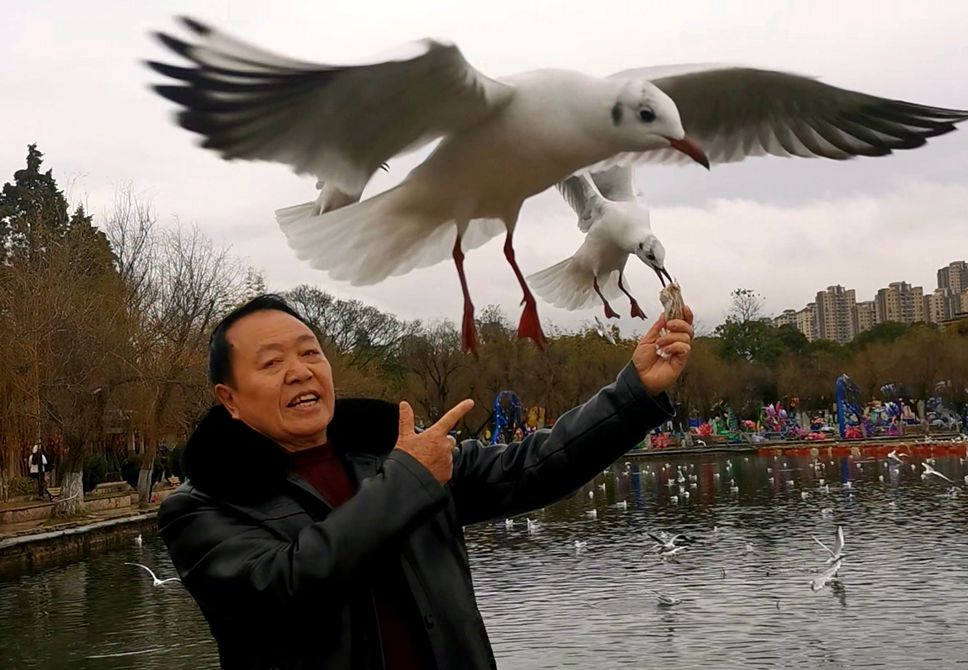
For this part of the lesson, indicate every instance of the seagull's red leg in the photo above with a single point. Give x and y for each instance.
(636, 310)
(609, 312)
(529, 326)
(468, 331)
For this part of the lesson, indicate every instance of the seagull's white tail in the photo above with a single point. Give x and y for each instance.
(568, 285)
(389, 234)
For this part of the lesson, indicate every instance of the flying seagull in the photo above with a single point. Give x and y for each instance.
(736, 112)
(838, 551)
(502, 141)
(929, 470)
(154, 578)
(616, 226)
(826, 576)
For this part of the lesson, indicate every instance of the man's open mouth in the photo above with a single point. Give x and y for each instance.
(304, 400)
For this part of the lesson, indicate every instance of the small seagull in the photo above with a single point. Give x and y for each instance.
(602, 486)
(667, 600)
(509, 523)
(894, 456)
(929, 470)
(580, 544)
(804, 495)
(138, 541)
(668, 542)
(591, 494)
(827, 512)
(749, 548)
(592, 513)
(155, 580)
(827, 576)
(880, 478)
(604, 331)
(532, 526)
(671, 554)
(685, 494)
(674, 499)
(837, 552)
(622, 504)
(821, 481)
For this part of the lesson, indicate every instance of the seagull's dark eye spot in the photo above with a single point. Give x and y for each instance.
(650, 256)
(646, 115)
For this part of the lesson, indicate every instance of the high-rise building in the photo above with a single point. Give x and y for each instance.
(865, 316)
(807, 321)
(787, 318)
(900, 302)
(835, 314)
(954, 277)
(942, 305)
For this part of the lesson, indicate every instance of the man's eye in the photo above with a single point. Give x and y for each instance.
(274, 362)
(311, 352)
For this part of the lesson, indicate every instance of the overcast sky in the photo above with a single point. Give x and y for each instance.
(72, 81)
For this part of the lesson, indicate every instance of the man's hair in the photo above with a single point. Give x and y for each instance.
(219, 349)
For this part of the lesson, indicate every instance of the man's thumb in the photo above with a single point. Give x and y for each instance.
(406, 419)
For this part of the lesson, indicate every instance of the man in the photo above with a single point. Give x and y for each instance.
(324, 533)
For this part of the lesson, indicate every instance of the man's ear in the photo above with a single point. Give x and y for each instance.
(226, 396)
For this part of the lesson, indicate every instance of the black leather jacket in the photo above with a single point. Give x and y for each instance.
(286, 582)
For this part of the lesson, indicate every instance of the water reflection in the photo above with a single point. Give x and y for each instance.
(744, 584)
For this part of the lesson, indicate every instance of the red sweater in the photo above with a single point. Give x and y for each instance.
(396, 611)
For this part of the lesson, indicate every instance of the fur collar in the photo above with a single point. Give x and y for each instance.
(227, 459)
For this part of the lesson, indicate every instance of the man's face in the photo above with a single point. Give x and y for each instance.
(282, 384)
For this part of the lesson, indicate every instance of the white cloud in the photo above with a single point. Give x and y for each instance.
(74, 82)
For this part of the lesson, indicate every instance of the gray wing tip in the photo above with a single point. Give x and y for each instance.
(196, 26)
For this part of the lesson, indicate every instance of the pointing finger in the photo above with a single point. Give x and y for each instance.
(406, 419)
(456, 413)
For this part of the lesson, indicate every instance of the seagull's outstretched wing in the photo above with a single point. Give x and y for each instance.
(839, 544)
(826, 548)
(736, 112)
(339, 123)
(580, 194)
(616, 183)
(145, 567)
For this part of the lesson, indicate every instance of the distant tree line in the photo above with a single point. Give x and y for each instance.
(105, 326)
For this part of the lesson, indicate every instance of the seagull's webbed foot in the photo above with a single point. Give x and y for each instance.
(530, 326)
(637, 311)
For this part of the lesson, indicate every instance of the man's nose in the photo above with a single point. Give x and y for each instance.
(298, 372)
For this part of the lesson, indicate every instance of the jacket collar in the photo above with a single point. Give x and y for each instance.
(227, 459)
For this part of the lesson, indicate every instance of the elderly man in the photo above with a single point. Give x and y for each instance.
(323, 533)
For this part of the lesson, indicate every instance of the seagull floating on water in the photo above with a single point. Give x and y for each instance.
(502, 140)
(894, 456)
(154, 577)
(666, 600)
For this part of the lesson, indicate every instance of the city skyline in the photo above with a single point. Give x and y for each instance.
(835, 314)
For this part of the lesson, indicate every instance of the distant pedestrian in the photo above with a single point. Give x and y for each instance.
(39, 465)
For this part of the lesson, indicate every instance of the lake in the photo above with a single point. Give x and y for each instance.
(743, 583)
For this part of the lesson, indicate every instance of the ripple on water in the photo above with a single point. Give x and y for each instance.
(900, 602)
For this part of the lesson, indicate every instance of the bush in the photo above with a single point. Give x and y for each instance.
(22, 486)
(96, 468)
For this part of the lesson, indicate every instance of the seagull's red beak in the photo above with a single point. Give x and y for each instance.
(688, 146)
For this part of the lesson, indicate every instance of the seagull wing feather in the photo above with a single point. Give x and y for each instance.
(737, 112)
(339, 123)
